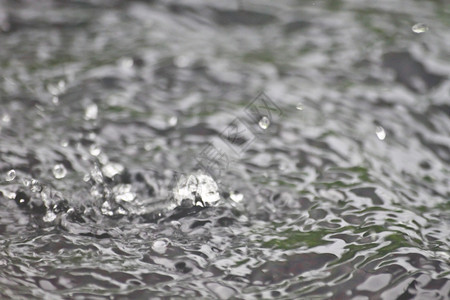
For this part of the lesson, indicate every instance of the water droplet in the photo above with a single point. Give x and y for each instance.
(236, 197)
(6, 118)
(199, 188)
(64, 143)
(49, 216)
(126, 62)
(420, 28)
(59, 171)
(86, 177)
(36, 187)
(264, 123)
(380, 132)
(123, 193)
(106, 209)
(55, 100)
(10, 175)
(112, 169)
(91, 112)
(299, 106)
(159, 246)
(172, 121)
(95, 150)
(97, 174)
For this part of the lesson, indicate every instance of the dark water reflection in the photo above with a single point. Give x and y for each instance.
(343, 193)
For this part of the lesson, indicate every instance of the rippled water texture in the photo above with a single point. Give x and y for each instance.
(335, 183)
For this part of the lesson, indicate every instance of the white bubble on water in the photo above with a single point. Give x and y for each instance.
(59, 171)
(380, 132)
(299, 106)
(420, 28)
(264, 122)
(10, 175)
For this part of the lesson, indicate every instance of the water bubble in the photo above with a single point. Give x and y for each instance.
(299, 106)
(91, 112)
(55, 100)
(264, 123)
(420, 28)
(123, 193)
(380, 132)
(236, 197)
(10, 175)
(95, 150)
(59, 171)
(112, 169)
(199, 188)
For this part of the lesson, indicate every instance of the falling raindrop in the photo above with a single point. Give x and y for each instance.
(380, 132)
(59, 171)
(420, 28)
(10, 175)
(264, 123)
(299, 106)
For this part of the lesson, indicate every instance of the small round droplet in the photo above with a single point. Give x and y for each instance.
(59, 171)
(420, 28)
(264, 123)
(380, 132)
(10, 175)
(95, 150)
(299, 106)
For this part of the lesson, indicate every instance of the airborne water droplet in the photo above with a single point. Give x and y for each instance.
(420, 28)
(264, 123)
(299, 106)
(380, 132)
(10, 175)
(59, 171)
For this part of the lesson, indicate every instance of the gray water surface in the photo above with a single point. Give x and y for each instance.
(325, 126)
